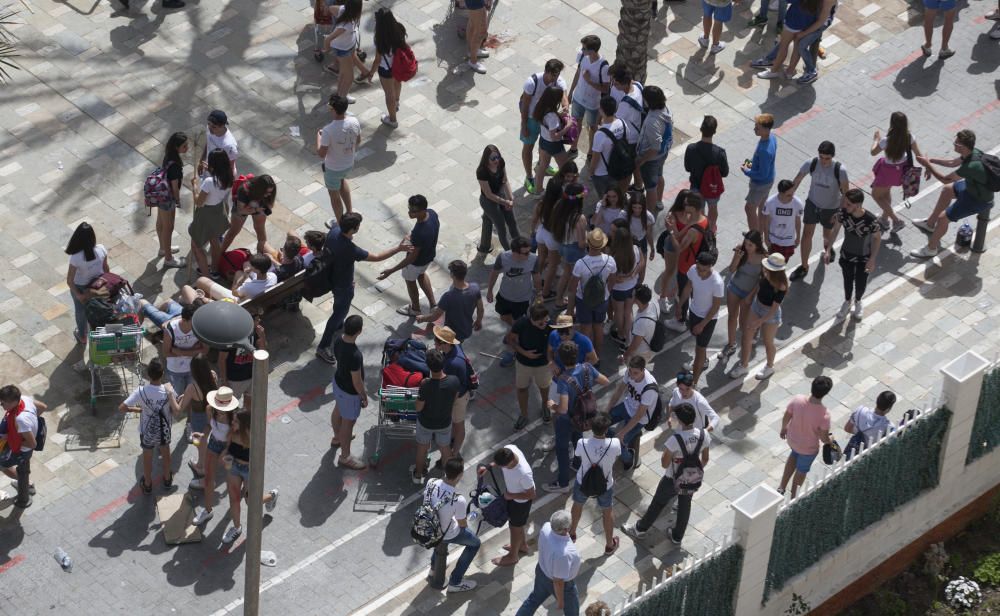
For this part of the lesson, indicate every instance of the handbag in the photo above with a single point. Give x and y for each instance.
(911, 176)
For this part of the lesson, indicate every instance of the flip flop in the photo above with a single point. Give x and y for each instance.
(614, 546)
(500, 561)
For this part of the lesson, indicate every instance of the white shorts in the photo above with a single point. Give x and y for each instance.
(240, 388)
(412, 272)
(542, 236)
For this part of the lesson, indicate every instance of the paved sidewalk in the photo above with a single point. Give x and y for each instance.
(103, 89)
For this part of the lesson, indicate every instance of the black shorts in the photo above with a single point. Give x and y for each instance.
(701, 340)
(517, 513)
(516, 310)
(385, 73)
(814, 215)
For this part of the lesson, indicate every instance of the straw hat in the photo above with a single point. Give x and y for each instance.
(562, 321)
(445, 334)
(596, 239)
(775, 262)
(222, 399)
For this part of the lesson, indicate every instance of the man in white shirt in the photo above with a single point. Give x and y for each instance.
(337, 144)
(590, 317)
(255, 278)
(643, 326)
(628, 94)
(520, 482)
(600, 146)
(20, 427)
(694, 443)
(590, 83)
(442, 493)
(705, 290)
(868, 426)
(534, 86)
(219, 137)
(600, 451)
(783, 220)
(179, 345)
(705, 416)
(557, 568)
(637, 396)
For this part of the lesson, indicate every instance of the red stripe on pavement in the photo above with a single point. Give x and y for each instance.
(979, 20)
(892, 70)
(799, 119)
(294, 403)
(115, 504)
(13, 562)
(975, 115)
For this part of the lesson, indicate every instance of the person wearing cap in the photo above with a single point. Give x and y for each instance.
(862, 240)
(458, 304)
(557, 568)
(336, 144)
(695, 442)
(348, 391)
(705, 290)
(563, 330)
(647, 313)
(631, 404)
(221, 404)
(705, 416)
(595, 263)
(530, 339)
(219, 137)
(455, 364)
(765, 315)
(805, 424)
(423, 240)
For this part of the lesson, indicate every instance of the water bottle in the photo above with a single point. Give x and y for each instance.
(63, 559)
(964, 237)
(485, 499)
(473, 516)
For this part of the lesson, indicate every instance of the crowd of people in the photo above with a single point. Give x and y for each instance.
(575, 289)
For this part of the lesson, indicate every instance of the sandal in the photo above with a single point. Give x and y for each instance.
(926, 49)
(194, 469)
(168, 482)
(611, 549)
(521, 422)
(146, 487)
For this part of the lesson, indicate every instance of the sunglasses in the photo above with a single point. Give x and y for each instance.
(494, 158)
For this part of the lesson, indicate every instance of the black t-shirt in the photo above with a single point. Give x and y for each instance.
(287, 270)
(495, 180)
(349, 359)
(175, 170)
(343, 255)
(767, 295)
(700, 155)
(438, 396)
(239, 363)
(531, 338)
(425, 237)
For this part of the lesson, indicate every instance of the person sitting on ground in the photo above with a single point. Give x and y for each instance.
(314, 241)
(289, 261)
(255, 278)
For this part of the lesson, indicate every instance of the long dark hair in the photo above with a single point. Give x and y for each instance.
(83, 239)
(220, 168)
(637, 198)
(171, 153)
(679, 201)
(243, 417)
(622, 249)
(567, 211)
(390, 35)
(484, 161)
(547, 206)
(778, 280)
(548, 102)
(754, 237)
(897, 140)
(201, 372)
(256, 190)
(351, 12)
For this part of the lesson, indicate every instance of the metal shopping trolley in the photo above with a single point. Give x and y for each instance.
(113, 353)
(397, 416)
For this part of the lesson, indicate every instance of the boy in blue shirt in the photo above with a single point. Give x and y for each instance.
(760, 170)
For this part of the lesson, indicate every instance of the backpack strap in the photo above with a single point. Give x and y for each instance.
(812, 166)
(649, 387)
(600, 69)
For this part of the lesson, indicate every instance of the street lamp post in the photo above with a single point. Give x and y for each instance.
(226, 326)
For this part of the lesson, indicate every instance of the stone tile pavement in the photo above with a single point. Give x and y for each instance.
(101, 91)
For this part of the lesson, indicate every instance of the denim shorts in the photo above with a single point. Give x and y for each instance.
(243, 470)
(215, 445)
(651, 172)
(348, 405)
(760, 310)
(343, 52)
(179, 381)
(964, 204)
(169, 206)
(571, 253)
(738, 292)
(940, 5)
(604, 501)
(579, 112)
(552, 147)
(803, 462)
(721, 14)
(428, 436)
(333, 178)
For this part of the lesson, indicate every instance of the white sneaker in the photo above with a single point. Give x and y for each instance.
(269, 506)
(924, 225)
(547, 445)
(718, 47)
(201, 516)
(479, 68)
(675, 325)
(844, 309)
(925, 252)
(351, 100)
(689, 366)
(197, 484)
(483, 53)
(703, 42)
(232, 534)
(631, 530)
(664, 304)
(388, 122)
(465, 586)
(771, 74)
(764, 373)
(555, 487)
(738, 371)
(859, 311)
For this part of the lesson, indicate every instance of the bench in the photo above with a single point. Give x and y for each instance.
(276, 295)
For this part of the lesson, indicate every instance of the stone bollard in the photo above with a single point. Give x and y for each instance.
(440, 565)
(982, 223)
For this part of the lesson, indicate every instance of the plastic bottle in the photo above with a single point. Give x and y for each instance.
(63, 559)
(473, 516)
(485, 499)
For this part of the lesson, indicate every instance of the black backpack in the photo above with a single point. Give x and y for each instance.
(991, 164)
(595, 290)
(836, 169)
(317, 277)
(43, 432)
(594, 481)
(690, 472)
(656, 413)
(100, 311)
(854, 445)
(659, 337)
(708, 241)
(621, 162)
(584, 408)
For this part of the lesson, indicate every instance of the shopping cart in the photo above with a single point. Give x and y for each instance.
(397, 416)
(113, 353)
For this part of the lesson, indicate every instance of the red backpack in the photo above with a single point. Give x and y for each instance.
(404, 64)
(711, 183)
(232, 261)
(394, 374)
(239, 182)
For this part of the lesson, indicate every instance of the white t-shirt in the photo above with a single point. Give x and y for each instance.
(635, 225)
(252, 287)
(152, 399)
(214, 195)
(690, 438)
(602, 144)
(451, 511)
(586, 94)
(627, 111)
(604, 217)
(557, 555)
(781, 230)
(884, 141)
(635, 397)
(643, 326)
(181, 341)
(592, 451)
(88, 270)
(520, 478)
(599, 265)
(26, 420)
(535, 84)
(631, 281)
(550, 122)
(341, 139)
(346, 39)
(704, 290)
(705, 415)
(226, 142)
(871, 424)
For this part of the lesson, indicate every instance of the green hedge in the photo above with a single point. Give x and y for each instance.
(986, 427)
(871, 486)
(708, 589)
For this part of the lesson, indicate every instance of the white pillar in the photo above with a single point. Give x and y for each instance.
(756, 513)
(963, 380)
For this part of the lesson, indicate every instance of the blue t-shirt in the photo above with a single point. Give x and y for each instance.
(762, 165)
(563, 388)
(343, 254)
(425, 237)
(459, 305)
(582, 342)
(798, 19)
(454, 365)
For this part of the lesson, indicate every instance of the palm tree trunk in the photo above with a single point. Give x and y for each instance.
(633, 37)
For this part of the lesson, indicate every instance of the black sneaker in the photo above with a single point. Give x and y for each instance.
(546, 414)
(674, 540)
(635, 459)
(168, 482)
(799, 273)
(326, 356)
(520, 423)
(22, 504)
